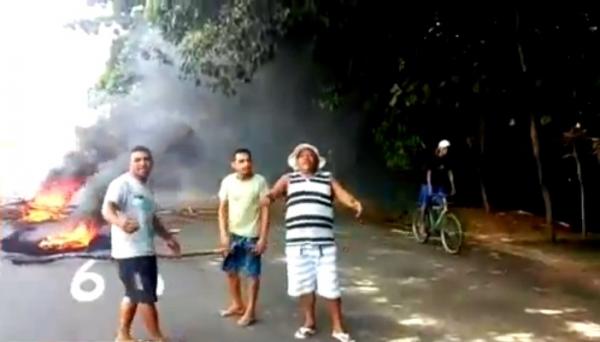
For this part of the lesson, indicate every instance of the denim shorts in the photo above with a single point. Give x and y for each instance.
(241, 257)
(424, 197)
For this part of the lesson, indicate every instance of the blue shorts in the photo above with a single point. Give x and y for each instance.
(242, 258)
(424, 196)
(140, 278)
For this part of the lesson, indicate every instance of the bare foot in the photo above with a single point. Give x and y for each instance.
(233, 310)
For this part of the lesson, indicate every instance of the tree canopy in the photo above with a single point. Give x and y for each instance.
(502, 83)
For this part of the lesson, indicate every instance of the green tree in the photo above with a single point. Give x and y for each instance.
(221, 52)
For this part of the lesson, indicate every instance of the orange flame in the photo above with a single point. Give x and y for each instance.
(51, 201)
(77, 238)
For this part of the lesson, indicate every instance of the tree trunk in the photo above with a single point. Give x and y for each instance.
(484, 197)
(581, 190)
(535, 144)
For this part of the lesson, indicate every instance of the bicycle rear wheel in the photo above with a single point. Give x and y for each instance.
(451, 233)
(419, 227)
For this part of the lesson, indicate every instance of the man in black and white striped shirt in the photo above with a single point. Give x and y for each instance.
(311, 252)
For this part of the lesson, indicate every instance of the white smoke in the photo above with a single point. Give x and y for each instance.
(193, 131)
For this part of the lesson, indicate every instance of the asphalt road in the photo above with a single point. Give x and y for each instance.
(394, 290)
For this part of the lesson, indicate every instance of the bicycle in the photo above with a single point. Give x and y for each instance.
(439, 220)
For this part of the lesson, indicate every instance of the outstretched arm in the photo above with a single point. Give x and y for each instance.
(279, 190)
(346, 198)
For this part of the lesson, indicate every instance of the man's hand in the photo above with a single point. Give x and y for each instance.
(346, 198)
(173, 244)
(261, 247)
(453, 192)
(225, 244)
(358, 208)
(128, 225)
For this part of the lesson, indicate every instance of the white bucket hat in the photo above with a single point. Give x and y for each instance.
(292, 159)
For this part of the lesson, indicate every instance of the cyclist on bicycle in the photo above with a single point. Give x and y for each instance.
(439, 178)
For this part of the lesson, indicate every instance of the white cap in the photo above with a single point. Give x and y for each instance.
(444, 144)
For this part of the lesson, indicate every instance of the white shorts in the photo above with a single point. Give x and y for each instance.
(312, 268)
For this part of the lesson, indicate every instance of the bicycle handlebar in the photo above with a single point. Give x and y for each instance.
(439, 201)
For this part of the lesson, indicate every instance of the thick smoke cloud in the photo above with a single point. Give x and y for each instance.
(192, 131)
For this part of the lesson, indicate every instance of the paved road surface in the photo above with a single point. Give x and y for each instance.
(395, 290)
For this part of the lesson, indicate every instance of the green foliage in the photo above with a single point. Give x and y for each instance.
(411, 66)
(330, 99)
(117, 79)
(410, 94)
(395, 134)
(221, 52)
(596, 146)
(176, 18)
(545, 120)
(113, 80)
(399, 146)
(152, 10)
(123, 7)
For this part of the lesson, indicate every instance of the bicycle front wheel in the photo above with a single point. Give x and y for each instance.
(419, 227)
(451, 233)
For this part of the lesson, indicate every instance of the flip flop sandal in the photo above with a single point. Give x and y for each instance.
(246, 322)
(342, 337)
(229, 313)
(304, 332)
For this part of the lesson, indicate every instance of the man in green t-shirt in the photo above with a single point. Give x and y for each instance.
(244, 229)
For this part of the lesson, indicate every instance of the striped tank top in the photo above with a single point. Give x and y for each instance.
(309, 209)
